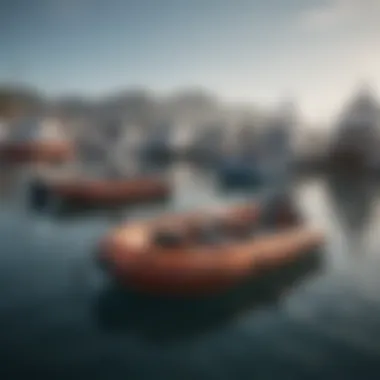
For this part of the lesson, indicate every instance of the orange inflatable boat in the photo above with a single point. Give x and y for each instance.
(135, 256)
(36, 152)
(109, 191)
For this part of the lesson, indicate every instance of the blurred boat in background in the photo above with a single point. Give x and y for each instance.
(107, 172)
(257, 158)
(38, 139)
(96, 188)
(240, 171)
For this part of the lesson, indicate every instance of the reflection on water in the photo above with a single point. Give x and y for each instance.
(163, 318)
(353, 200)
(353, 203)
(62, 318)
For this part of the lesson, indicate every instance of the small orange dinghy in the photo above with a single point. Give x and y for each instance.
(41, 139)
(184, 265)
(36, 152)
(109, 191)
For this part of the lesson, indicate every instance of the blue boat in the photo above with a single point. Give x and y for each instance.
(238, 172)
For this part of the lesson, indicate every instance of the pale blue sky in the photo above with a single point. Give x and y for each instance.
(314, 50)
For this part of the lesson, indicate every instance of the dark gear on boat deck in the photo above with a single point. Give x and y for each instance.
(169, 238)
(210, 232)
(238, 230)
(278, 210)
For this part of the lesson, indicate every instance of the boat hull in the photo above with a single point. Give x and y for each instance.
(108, 192)
(36, 152)
(194, 271)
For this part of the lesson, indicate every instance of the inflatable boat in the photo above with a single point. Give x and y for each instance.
(200, 253)
(36, 152)
(37, 139)
(100, 192)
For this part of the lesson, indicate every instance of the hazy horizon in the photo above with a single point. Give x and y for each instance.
(316, 52)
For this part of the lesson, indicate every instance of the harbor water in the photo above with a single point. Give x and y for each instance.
(62, 318)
